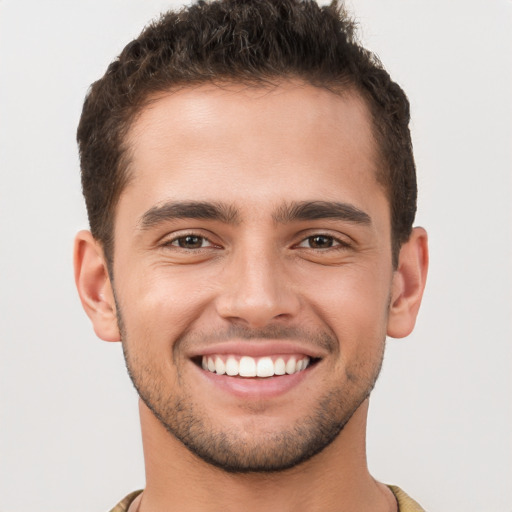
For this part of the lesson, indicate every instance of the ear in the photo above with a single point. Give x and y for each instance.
(408, 284)
(94, 286)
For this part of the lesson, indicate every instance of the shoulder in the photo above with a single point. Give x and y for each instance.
(125, 503)
(405, 502)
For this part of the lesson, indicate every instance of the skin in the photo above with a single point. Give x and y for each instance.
(259, 279)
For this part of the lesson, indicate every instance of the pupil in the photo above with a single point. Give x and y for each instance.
(189, 242)
(321, 241)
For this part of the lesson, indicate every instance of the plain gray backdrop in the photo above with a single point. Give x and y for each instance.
(440, 418)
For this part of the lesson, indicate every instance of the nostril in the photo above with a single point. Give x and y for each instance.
(256, 302)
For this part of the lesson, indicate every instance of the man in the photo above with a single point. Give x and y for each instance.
(250, 185)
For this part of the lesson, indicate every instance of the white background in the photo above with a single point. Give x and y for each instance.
(440, 422)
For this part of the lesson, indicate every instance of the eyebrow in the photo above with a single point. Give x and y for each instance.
(188, 210)
(315, 210)
(291, 212)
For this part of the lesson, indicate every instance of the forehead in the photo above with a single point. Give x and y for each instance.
(234, 142)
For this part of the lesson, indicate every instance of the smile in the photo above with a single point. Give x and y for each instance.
(247, 366)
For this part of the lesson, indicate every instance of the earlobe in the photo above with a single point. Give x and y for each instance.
(408, 284)
(94, 286)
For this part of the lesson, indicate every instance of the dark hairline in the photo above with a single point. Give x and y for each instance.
(344, 88)
(254, 43)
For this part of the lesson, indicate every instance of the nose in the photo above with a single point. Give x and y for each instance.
(257, 289)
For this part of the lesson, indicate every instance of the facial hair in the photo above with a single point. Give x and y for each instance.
(239, 450)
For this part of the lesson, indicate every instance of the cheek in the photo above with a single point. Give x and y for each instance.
(357, 314)
(354, 304)
(158, 307)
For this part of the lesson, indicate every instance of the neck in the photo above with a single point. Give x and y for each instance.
(337, 479)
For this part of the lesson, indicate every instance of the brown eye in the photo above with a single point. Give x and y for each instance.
(190, 242)
(320, 241)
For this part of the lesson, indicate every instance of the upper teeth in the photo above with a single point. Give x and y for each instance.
(247, 366)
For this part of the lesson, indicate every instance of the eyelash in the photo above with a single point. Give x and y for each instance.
(175, 242)
(336, 243)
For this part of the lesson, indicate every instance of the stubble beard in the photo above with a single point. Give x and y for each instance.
(231, 449)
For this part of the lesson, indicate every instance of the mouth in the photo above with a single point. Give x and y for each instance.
(244, 366)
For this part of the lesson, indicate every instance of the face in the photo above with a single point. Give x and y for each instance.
(252, 269)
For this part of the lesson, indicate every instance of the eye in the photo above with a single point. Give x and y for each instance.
(319, 242)
(322, 242)
(191, 242)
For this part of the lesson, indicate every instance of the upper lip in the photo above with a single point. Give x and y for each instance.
(254, 348)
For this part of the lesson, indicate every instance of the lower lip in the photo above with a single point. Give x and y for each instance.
(254, 388)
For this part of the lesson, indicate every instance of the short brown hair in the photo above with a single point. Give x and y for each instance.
(250, 41)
